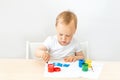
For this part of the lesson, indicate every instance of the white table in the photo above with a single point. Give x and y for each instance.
(22, 69)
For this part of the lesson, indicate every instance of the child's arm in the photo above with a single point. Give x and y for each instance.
(42, 52)
(79, 55)
(72, 58)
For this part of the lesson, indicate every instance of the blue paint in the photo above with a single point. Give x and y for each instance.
(60, 64)
(81, 62)
(66, 65)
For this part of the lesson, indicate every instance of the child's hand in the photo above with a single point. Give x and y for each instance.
(45, 57)
(70, 59)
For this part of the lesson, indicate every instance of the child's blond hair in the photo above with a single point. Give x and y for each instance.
(66, 17)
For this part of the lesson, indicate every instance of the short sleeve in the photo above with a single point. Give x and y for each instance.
(47, 43)
(77, 46)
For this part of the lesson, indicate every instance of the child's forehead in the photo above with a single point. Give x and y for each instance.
(65, 29)
(63, 22)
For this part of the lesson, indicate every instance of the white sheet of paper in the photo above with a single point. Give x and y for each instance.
(74, 71)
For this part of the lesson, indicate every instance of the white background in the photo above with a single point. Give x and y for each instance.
(34, 20)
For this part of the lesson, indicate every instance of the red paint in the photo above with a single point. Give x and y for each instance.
(50, 68)
(57, 69)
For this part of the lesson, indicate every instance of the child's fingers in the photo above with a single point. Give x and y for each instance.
(70, 59)
(46, 57)
(74, 59)
(65, 59)
(46, 60)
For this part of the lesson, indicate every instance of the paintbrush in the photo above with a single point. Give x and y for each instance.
(47, 62)
(92, 68)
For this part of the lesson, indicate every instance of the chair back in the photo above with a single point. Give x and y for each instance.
(32, 46)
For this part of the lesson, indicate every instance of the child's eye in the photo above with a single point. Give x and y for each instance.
(68, 35)
(61, 34)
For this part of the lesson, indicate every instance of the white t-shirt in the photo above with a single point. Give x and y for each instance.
(58, 51)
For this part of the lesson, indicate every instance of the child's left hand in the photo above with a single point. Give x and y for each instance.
(70, 59)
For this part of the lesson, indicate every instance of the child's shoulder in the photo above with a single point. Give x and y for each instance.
(75, 39)
(52, 38)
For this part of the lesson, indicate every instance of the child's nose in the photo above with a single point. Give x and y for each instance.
(63, 38)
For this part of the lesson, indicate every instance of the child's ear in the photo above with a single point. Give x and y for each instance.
(56, 25)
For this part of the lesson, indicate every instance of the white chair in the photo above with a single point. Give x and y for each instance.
(32, 46)
(84, 47)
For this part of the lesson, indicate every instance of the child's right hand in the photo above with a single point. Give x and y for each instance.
(45, 56)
